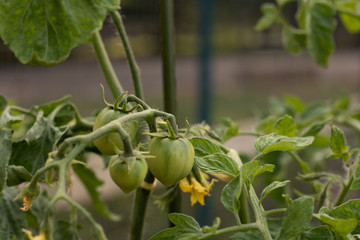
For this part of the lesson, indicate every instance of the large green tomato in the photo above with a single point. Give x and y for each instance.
(173, 159)
(127, 176)
(107, 143)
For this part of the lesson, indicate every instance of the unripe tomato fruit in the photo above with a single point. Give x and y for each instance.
(173, 159)
(126, 177)
(107, 143)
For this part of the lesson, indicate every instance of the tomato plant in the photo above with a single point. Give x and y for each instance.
(51, 142)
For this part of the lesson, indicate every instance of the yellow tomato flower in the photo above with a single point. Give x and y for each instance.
(28, 233)
(197, 190)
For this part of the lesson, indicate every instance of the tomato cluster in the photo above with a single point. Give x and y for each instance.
(172, 157)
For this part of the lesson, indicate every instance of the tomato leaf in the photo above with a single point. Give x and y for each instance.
(351, 23)
(274, 185)
(231, 193)
(40, 139)
(17, 175)
(348, 210)
(293, 40)
(275, 142)
(285, 126)
(204, 147)
(186, 227)
(44, 32)
(270, 14)
(218, 163)
(12, 219)
(340, 226)
(91, 183)
(297, 218)
(5, 154)
(338, 143)
(318, 233)
(320, 26)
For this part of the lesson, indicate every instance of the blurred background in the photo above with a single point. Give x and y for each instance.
(215, 44)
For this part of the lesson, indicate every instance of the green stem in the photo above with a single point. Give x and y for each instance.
(141, 199)
(275, 212)
(106, 66)
(135, 71)
(259, 214)
(304, 167)
(344, 190)
(139, 210)
(244, 210)
(168, 54)
(242, 228)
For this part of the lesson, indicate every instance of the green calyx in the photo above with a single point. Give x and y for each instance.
(120, 100)
(171, 133)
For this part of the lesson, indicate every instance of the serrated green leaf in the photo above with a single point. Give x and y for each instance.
(315, 129)
(320, 26)
(7, 118)
(338, 143)
(91, 183)
(185, 228)
(341, 226)
(45, 32)
(275, 142)
(17, 175)
(351, 22)
(182, 220)
(12, 219)
(274, 185)
(64, 230)
(263, 168)
(348, 210)
(5, 154)
(293, 40)
(295, 103)
(203, 146)
(297, 218)
(270, 14)
(266, 125)
(230, 129)
(318, 233)
(41, 139)
(285, 126)
(218, 163)
(313, 113)
(231, 193)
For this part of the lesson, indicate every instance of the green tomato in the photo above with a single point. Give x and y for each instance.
(173, 159)
(109, 142)
(128, 172)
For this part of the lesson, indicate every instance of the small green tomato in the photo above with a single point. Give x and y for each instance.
(128, 172)
(173, 159)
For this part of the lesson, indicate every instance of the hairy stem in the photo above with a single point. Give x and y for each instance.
(106, 66)
(242, 228)
(135, 71)
(259, 214)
